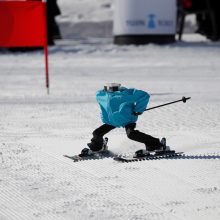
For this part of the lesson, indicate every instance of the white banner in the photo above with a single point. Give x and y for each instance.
(137, 17)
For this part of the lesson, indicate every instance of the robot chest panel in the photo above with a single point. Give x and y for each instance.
(117, 99)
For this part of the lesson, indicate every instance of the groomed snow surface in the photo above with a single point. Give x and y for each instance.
(37, 129)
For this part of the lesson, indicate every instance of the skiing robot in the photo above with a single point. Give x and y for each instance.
(121, 107)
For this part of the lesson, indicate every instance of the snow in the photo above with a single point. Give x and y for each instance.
(83, 18)
(36, 130)
(86, 10)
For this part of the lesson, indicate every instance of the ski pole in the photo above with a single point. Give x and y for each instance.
(184, 99)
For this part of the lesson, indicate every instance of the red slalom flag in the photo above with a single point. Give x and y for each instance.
(24, 24)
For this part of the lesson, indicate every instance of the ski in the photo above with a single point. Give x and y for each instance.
(150, 156)
(125, 158)
(93, 156)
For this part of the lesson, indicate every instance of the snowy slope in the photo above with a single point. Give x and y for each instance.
(86, 18)
(86, 10)
(36, 129)
(37, 182)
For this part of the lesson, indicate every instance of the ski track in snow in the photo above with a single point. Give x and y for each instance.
(37, 182)
(80, 191)
(46, 187)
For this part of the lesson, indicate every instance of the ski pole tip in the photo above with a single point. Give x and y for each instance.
(184, 99)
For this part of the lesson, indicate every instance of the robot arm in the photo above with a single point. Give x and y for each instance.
(141, 99)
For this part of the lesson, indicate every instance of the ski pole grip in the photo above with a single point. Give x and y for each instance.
(184, 99)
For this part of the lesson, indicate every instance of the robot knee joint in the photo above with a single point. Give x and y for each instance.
(130, 133)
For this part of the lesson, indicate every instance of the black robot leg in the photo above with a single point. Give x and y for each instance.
(97, 140)
(150, 142)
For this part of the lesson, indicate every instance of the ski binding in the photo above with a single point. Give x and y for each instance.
(148, 156)
(92, 156)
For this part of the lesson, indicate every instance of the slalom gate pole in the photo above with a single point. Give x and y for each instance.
(46, 69)
(184, 99)
(46, 49)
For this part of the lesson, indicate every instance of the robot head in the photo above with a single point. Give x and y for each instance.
(112, 87)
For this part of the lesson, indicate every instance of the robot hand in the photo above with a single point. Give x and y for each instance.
(137, 113)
